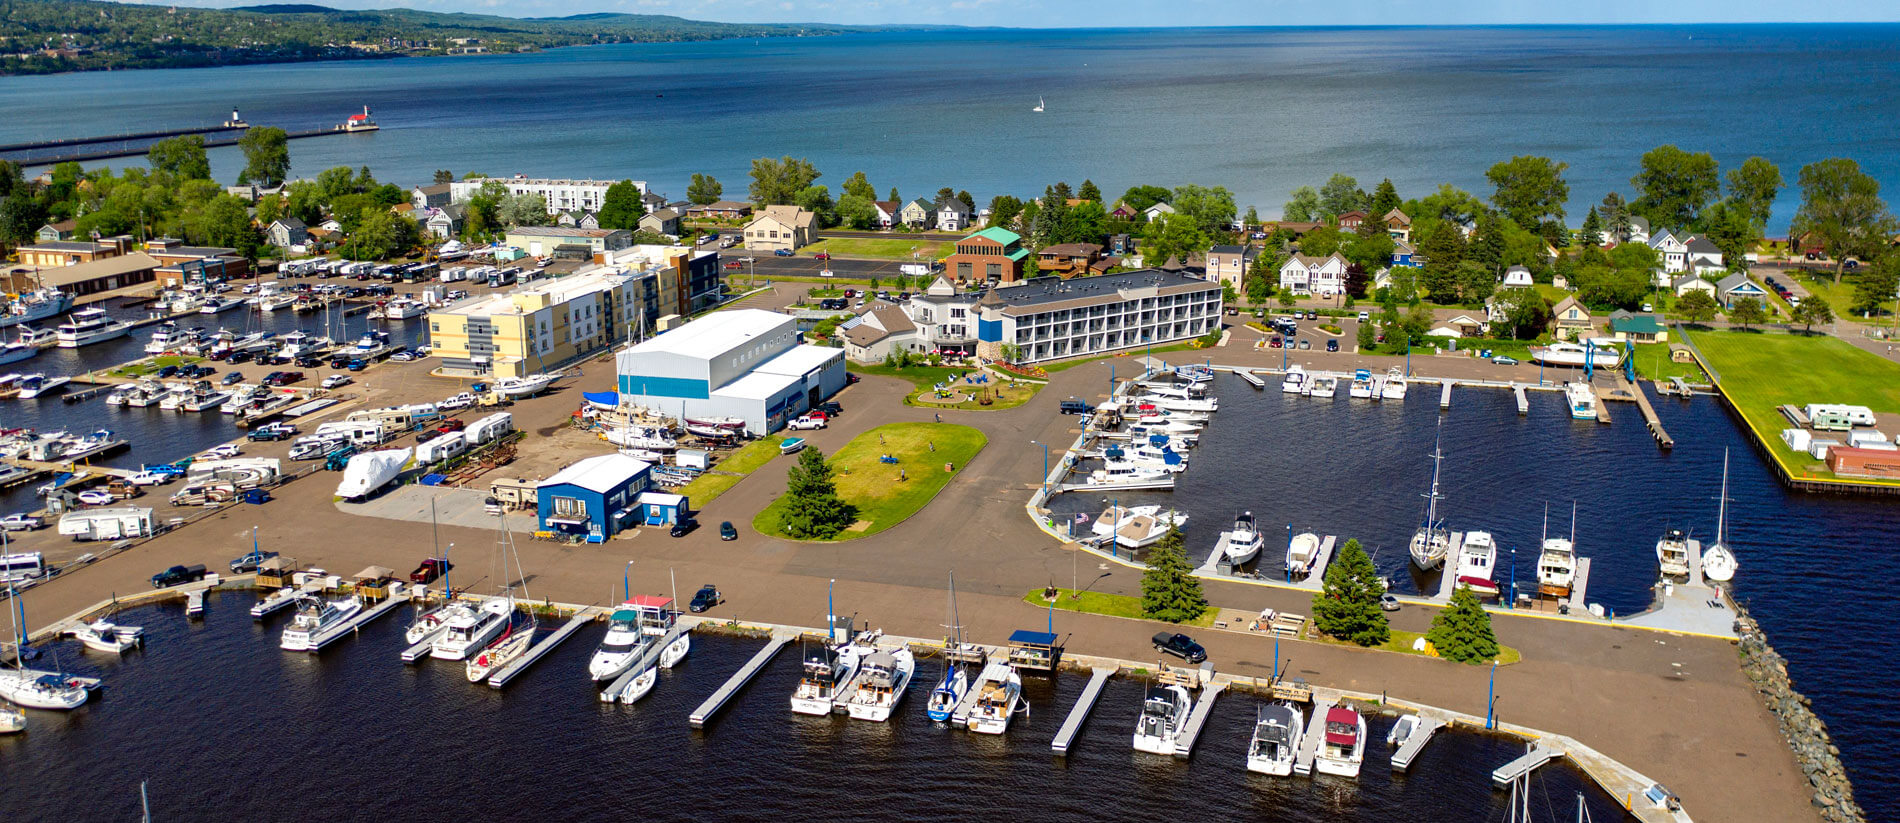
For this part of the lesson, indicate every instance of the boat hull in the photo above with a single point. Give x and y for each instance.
(811, 705)
(1342, 768)
(1154, 745)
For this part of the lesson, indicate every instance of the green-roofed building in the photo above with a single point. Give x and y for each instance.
(995, 254)
(1642, 328)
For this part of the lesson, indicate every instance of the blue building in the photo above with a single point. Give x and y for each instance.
(594, 498)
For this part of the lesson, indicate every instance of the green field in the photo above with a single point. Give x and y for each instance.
(1113, 605)
(1653, 363)
(728, 472)
(885, 493)
(894, 248)
(153, 364)
(1760, 371)
(1003, 393)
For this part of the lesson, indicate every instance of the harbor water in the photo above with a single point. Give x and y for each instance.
(275, 735)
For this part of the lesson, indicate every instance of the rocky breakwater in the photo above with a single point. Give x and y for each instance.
(1806, 734)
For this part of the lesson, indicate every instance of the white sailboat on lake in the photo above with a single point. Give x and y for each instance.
(1718, 561)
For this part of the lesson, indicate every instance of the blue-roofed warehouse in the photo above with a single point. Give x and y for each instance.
(594, 498)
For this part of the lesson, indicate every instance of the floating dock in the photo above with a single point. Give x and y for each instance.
(421, 647)
(547, 644)
(1663, 440)
(1317, 576)
(1523, 401)
(1251, 378)
(707, 710)
(1447, 571)
(1695, 563)
(1197, 717)
(960, 713)
(1537, 756)
(648, 659)
(1444, 395)
(1580, 585)
(361, 619)
(1315, 732)
(1414, 743)
(1080, 712)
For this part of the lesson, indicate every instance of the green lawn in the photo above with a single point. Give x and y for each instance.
(1838, 297)
(1653, 363)
(1113, 605)
(886, 494)
(148, 366)
(728, 472)
(1763, 370)
(893, 248)
(1004, 394)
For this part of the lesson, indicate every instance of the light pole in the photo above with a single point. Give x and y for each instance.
(626, 581)
(1045, 468)
(1491, 699)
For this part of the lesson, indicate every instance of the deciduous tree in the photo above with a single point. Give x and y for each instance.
(1303, 207)
(1172, 235)
(1841, 208)
(1674, 185)
(704, 190)
(1347, 605)
(1462, 630)
(266, 155)
(1211, 207)
(621, 207)
(1748, 311)
(1698, 306)
(1754, 186)
(779, 182)
(1812, 310)
(181, 157)
(1529, 190)
(1341, 194)
(1141, 197)
(859, 185)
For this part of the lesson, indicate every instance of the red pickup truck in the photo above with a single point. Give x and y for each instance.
(431, 568)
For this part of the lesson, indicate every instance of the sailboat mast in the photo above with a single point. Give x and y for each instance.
(1431, 505)
(1721, 517)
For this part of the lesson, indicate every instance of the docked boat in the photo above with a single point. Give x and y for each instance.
(276, 601)
(1718, 562)
(1169, 463)
(880, 686)
(11, 720)
(174, 396)
(1175, 391)
(1301, 553)
(1138, 526)
(37, 385)
(1146, 426)
(1277, 729)
(466, 634)
(650, 438)
(214, 304)
(1394, 387)
(17, 351)
(34, 306)
(509, 647)
(1128, 474)
(145, 393)
(315, 616)
(1164, 712)
(624, 643)
(996, 703)
(948, 692)
(400, 308)
(121, 393)
(515, 387)
(1557, 560)
(1325, 386)
(1672, 555)
(1243, 540)
(1477, 563)
(276, 301)
(41, 690)
(202, 397)
(826, 671)
(1344, 747)
(1432, 541)
(1581, 399)
(1201, 404)
(1362, 385)
(104, 636)
(88, 326)
(1577, 354)
(434, 621)
(167, 337)
(1294, 381)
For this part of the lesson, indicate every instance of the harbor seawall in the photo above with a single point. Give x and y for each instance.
(1819, 758)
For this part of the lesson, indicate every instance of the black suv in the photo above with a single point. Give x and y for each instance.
(1180, 645)
(706, 598)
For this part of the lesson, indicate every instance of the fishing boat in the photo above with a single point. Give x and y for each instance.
(1137, 527)
(1325, 386)
(516, 387)
(315, 616)
(1557, 559)
(35, 305)
(1477, 563)
(1243, 540)
(1672, 555)
(1277, 729)
(1344, 747)
(37, 385)
(1164, 712)
(1294, 381)
(825, 671)
(1301, 553)
(1718, 562)
(41, 690)
(880, 686)
(1576, 355)
(467, 633)
(1432, 541)
(1394, 388)
(996, 703)
(1362, 385)
(104, 636)
(1581, 399)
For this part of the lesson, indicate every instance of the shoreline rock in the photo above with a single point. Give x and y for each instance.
(1818, 757)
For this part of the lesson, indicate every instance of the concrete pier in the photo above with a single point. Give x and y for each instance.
(1539, 754)
(1317, 576)
(1448, 573)
(1080, 712)
(1580, 585)
(707, 710)
(1444, 395)
(1523, 401)
(1197, 717)
(1315, 732)
(1414, 743)
(547, 644)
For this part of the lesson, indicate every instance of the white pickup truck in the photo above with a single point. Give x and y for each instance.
(807, 423)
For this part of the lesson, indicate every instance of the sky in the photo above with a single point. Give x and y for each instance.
(1142, 13)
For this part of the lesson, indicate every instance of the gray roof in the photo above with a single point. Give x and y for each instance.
(955, 205)
(1041, 290)
(664, 215)
(1735, 281)
(290, 222)
(66, 245)
(1701, 245)
(1240, 250)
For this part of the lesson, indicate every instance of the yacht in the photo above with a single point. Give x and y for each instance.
(1718, 562)
(202, 397)
(1477, 563)
(1362, 385)
(1432, 541)
(1581, 399)
(1163, 714)
(1576, 354)
(1151, 425)
(144, 394)
(1127, 474)
(88, 326)
(1295, 380)
(1672, 555)
(1139, 527)
(826, 671)
(1243, 540)
(516, 387)
(104, 636)
(624, 643)
(276, 301)
(1169, 463)
(1172, 391)
(465, 634)
(121, 393)
(505, 650)
(1557, 560)
(401, 309)
(651, 438)
(35, 305)
(1344, 746)
(1325, 386)
(996, 703)
(1202, 404)
(948, 693)
(880, 686)
(166, 338)
(1394, 388)
(17, 351)
(314, 617)
(1301, 553)
(35, 385)
(214, 304)
(174, 396)
(41, 690)
(1277, 729)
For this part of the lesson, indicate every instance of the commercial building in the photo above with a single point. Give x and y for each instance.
(995, 254)
(538, 327)
(562, 195)
(57, 253)
(686, 278)
(1049, 318)
(780, 227)
(594, 498)
(745, 363)
(87, 278)
(567, 243)
(180, 264)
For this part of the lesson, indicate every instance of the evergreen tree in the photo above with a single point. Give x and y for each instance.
(1089, 191)
(621, 207)
(967, 201)
(1616, 217)
(1368, 342)
(813, 510)
(1462, 631)
(894, 198)
(443, 176)
(704, 190)
(1168, 590)
(1592, 234)
(1347, 605)
(1385, 198)
(1487, 244)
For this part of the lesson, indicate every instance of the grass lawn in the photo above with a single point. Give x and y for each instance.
(1653, 363)
(145, 367)
(1003, 393)
(1113, 605)
(894, 248)
(1763, 370)
(882, 498)
(1401, 643)
(749, 458)
(1837, 297)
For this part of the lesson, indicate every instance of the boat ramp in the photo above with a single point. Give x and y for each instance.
(581, 618)
(707, 710)
(1098, 676)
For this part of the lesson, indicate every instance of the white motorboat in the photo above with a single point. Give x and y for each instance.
(38, 385)
(1301, 553)
(1344, 747)
(1294, 382)
(276, 301)
(1277, 730)
(996, 703)
(1174, 391)
(1361, 385)
(1581, 399)
(105, 636)
(514, 387)
(466, 634)
(1576, 354)
(1477, 563)
(1718, 562)
(11, 720)
(174, 396)
(1243, 540)
(505, 650)
(34, 305)
(167, 337)
(1170, 464)
(1204, 404)
(1325, 386)
(277, 600)
(1127, 474)
(1394, 388)
(1672, 555)
(315, 616)
(1137, 527)
(624, 642)
(1432, 541)
(202, 397)
(17, 351)
(1164, 712)
(435, 621)
(400, 308)
(1557, 560)
(1140, 452)
(121, 393)
(826, 671)
(214, 304)
(1143, 426)
(144, 394)
(41, 690)
(880, 686)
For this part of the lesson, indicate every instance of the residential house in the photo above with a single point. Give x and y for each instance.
(1638, 230)
(664, 221)
(1399, 225)
(1571, 319)
(1123, 211)
(1229, 265)
(55, 232)
(721, 210)
(1121, 245)
(587, 220)
(885, 212)
(445, 222)
(1701, 248)
(1641, 328)
(1068, 259)
(653, 202)
(884, 329)
(1517, 277)
(330, 225)
(1296, 228)
(995, 254)
(780, 227)
(561, 195)
(1323, 276)
(430, 197)
(1457, 326)
(1156, 210)
(287, 231)
(1692, 282)
(1735, 287)
(1674, 252)
(917, 214)
(953, 215)
(1352, 220)
(1404, 253)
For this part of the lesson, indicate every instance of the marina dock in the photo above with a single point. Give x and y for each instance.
(1523, 400)
(1197, 718)
(421, 647)
(717, 701)
(1123, 487)
(1580, 584)
(1251, 378)
(1695, 564)
(648, 659)
(1315, 732)
(1444, 395)
(361, 619)
(547, 644)
(1414, 743)
(1318, 575)
(960, 713)
(1447, 578)
(1539, 754)
(1080, 712)
(1663, 440)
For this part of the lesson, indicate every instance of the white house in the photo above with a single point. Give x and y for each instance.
(1691, 282)
(1674, 252)
(880, 331)
(953, 215)
(1639, 230)
(1735, 287)
(885, 212)
(1314, 275)
(1517, 277)
(1157, 210)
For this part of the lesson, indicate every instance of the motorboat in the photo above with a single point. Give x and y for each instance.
(1672, 555)
(628, 636)
(468, 633)
(1362, 385)
(880, 685)
(1202, 404)
(214, 304)
(11, 720)
(42, 690)
(514, 387)
(36, 385)
(1277, 729)
(34, 306)
(1394, 388)
(1243, 540)
(1168, 462)
(1134, 530)
(1002, 689)
(1160, 425)
(121, 393)
(174, 396)
(1718, 562)
(1113, 516)
(1581, 399)
(948, 693)
(1344, 747)
(434, 621)
(1432, 541)
(88, 326)
(1294, 382)
(400, 308)
(1602, 356)
(1477, 563)
(509, 647)
(315, 616)
(166, 337)
(1301, 553)
(270, 605)
(144, 394)
(1325, 386)
(1164, 712)
(1173, 391)
(1557, 560)
(1401, 729)
(1128, 474)
(276, 301)
(104, 636)
(202, 397)
(825, 672)
(17, 351)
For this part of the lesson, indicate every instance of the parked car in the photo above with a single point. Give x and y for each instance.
(735, 265)
(167, 371)
(684, 526)
(706, 598)
(335, 380)
(453, 424)
(403, 356)
(95, 497)
(782, 253)
(431, 568)
(233, 378)
(1364, 316)
(727, 532)
(1504, 360)
(1180, 645)
(1389, 602)
(823, 255)
(1332, 345)
(21, 522)
(150, 478)
(831, 408)
(250, 562)
(807, 423)
(178, 575)
(221, 452)
(1306, 344)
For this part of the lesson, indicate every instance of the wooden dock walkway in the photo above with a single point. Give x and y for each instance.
(1079, 713)
(1315, 732)
(1447, 573)
(1539, 754)
(74, 468)
(361, 619)
(1580, 585)
(717, 701)
(1663, 440)
(1414, 743)
(511, 671)
(1197, 718)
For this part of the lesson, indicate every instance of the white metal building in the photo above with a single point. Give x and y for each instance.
(562, 195)
(745, 363)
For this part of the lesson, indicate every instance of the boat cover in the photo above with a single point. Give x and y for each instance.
(1338, 718)
(602, 399)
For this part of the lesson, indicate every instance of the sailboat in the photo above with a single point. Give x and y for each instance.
(518, 636)
(1718, 562)
(956, 681)
(1039, 105)
(1432, 541)
(29, 688)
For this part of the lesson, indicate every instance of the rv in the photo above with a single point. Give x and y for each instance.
(17, 568)
(107, 524)
(441, 448)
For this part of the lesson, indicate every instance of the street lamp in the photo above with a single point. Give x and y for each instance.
(626, 581)
(1045, 468)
